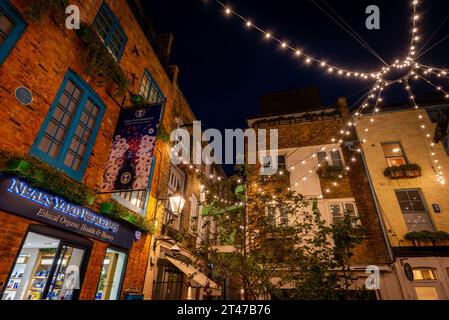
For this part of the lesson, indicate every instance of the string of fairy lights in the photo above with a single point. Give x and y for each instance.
(370, 104)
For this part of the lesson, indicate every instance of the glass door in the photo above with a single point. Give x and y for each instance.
(46, 268)
(65, 279)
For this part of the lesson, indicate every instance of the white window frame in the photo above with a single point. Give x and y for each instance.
(342, 205)
(328, 159)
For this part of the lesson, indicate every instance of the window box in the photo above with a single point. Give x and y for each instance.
(119, 212)
(423, 237)
(330, 172)
(408, 171)
(45, 177)
(18, 166)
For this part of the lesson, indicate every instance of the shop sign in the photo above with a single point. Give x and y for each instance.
(19, 197)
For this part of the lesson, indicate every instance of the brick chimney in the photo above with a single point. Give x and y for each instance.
(342, 105)
(164, 47)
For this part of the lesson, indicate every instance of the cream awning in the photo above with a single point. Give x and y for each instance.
(200, 278)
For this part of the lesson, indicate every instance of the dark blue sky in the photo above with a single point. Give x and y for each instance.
(224, 68)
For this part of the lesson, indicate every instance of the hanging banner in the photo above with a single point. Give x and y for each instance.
(131, 155)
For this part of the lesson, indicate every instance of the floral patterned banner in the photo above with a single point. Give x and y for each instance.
(131, 156)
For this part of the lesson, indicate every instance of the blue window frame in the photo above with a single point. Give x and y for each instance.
(149, 89)
(11, 28)
(66, 138)
(110, 30)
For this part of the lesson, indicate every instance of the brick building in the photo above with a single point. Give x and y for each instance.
(50, 89)
(310, 153)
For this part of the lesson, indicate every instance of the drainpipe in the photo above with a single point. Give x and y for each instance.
(376, 201)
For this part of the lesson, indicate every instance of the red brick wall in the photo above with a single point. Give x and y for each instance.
(12, 231)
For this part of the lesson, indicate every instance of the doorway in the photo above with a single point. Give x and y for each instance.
(47, 268)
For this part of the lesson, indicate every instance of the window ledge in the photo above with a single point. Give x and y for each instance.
(127, 204)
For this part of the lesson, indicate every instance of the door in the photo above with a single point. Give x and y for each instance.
(47, 268)
(65, 279)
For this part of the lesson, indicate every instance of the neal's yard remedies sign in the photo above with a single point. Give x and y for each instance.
(17, 196)
(131, 156)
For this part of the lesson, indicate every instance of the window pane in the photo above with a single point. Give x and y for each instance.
(426, 293)
(103, 24)
(349, 209)
(392, 150)
(6, 26)
(336, 159)
(424, 274)
(335, 210)
(396, 162)
(116, 42)
(111, 275)
(62, 117)
(32, 268)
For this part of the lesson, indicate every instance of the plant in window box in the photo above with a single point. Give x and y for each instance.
(137, 99)
(19, 166)
(418, 237)
(330, 172)
(44, 177)
(407, 171)
(98, 61)
(117, 211)
(441, 236)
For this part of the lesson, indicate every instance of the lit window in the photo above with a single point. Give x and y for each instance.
(424, 274)
(11, 28)
(149, 89)
(68, 133)
(111, 277)
(394, 154)
(414, 210)
(110, 30)
(427, 293)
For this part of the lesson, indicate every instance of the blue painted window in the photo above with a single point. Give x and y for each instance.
(11, 28)
(68, 133)
(110, 30)
(149, 89)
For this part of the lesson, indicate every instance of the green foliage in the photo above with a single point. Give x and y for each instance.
(40, 8)
(330, 172)
(115, 210)
(42, 176)
(404, 171)
(98, 62)
(269, 255)
(427, 236)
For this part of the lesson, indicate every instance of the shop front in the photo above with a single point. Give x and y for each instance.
(59, 246)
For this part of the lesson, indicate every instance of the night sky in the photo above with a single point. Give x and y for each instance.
(225, 68)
